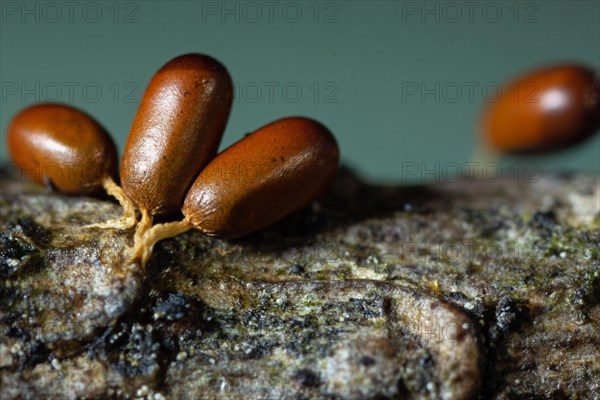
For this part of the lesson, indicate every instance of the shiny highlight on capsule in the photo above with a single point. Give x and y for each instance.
(175, 133)
(548, 109)
(283, 167)
(62, 147)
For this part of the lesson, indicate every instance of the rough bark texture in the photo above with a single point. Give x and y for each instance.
(485, 290)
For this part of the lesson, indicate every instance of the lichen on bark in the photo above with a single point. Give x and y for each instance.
(457, 290)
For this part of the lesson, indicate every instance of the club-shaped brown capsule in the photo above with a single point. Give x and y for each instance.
(176, 132)
(254, 183)
(60, 146)
(262, 178)
(548, 109)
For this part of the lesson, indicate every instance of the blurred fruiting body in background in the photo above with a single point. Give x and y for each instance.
(546, 110)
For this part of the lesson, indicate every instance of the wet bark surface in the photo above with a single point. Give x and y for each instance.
(457, 290)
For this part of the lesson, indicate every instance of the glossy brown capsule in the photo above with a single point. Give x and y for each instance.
(176, 131)
(62, 147)
(548, 109)
(262, 178)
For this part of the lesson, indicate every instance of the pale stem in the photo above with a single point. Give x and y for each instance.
(128, 219)
(146, 238)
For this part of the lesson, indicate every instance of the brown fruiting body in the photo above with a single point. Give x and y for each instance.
(548, 109)
(176, 131)
(265, 176)
(60, 146)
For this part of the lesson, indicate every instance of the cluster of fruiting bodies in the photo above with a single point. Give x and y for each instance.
(170, 163)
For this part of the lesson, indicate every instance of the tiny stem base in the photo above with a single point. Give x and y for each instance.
(146, 236)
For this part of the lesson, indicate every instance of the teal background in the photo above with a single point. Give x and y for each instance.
(350, 59)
